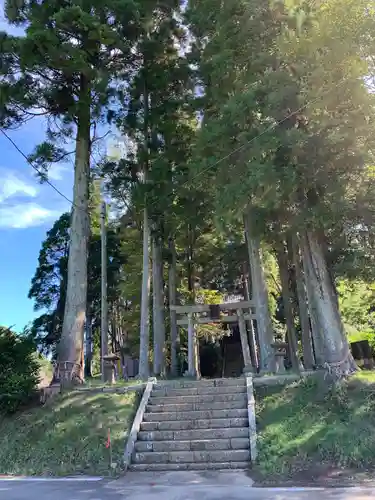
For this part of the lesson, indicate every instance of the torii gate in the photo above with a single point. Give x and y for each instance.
(213, 313)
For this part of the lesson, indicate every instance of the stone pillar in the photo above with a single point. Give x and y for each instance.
(191, 346)
(244, 341)
(251, 417)
(253, 345)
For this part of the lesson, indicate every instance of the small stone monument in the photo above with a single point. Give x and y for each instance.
(280, 349)
(110, 367)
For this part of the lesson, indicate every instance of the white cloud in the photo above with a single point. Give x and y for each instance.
(56, 172)
(14, 186)
(25, 215)
(22, 202)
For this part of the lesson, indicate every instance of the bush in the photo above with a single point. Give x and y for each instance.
(19, 371)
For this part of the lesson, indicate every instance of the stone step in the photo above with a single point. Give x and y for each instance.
(191, 435)
(184, 425)
(152, 457)
(205, 398)
(189, 466)
(214, 405)
(188, 384)
(200, 390)
(198, 445)
(194, 415)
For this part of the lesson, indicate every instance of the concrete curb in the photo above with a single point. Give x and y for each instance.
(251, 416)
(34, 479)
(133, 434)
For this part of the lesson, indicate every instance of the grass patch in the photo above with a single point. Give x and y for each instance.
(68, 435)
(305, 425)
(96, 382)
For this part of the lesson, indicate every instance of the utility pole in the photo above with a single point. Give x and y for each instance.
(104, 303)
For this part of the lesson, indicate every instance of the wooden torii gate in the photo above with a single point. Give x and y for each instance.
(214, 313)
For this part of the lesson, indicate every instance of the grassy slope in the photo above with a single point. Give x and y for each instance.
(305, 426)
(67, 436)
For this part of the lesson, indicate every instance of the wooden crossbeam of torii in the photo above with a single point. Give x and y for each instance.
(200, 314)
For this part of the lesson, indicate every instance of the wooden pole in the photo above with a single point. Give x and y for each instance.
(144, 336)
(158, 307)
(104, 303)
(145, 303)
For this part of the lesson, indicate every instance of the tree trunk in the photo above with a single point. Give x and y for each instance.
(158, 307)
(190, 264)
(144, 337)
(88, 361)
(282, 259)
(260, 297)
(306, 338)
(323, 306)
(106, 374)
(71, 344)
(172, 291)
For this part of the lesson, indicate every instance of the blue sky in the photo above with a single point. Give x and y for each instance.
(27, 210)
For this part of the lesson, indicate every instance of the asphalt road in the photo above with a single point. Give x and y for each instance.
(224, 486)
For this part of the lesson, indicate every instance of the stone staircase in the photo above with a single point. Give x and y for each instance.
(194, 425)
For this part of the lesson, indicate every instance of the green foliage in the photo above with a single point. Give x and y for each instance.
(67, 436)
(19, 371)
(276, 135)
(64, 68)
(357, 301)
(130, 287)
(48, 286)
(304, 424)
(283, 126)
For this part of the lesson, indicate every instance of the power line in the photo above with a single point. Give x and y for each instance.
(269, 129)
(209, 167)
(36, 168)
(253, 139)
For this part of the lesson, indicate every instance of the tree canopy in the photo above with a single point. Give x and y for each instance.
(246, 166)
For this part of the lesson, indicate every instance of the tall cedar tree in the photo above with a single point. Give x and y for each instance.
(63, 68)
(293, 103)
(159, 121)
(49, 283)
